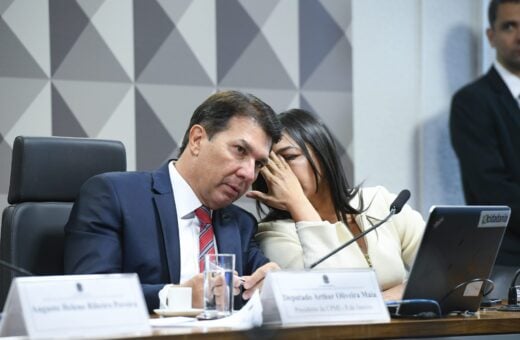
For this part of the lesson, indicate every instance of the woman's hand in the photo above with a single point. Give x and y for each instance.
(283, 186)
(394, 293)
(284, 190)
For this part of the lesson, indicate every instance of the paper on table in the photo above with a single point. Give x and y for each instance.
(171, 322)
(248, 317)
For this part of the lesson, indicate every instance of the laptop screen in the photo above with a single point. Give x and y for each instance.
(456, 255)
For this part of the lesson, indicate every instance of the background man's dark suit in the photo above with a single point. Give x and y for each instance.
(127, 222)
(485, 133)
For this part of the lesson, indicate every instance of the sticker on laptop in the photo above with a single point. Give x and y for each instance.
(473, 288)
(493, 218)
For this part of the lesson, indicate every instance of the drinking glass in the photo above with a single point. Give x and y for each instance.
(218, 285)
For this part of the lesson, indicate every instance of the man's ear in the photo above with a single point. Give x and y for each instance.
(491, 36)
(196, 137)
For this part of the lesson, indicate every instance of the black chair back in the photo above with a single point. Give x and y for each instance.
(46, 176)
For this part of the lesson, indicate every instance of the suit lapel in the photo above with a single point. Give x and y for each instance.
(504, 96)
(228, 236)
(511, 107)
(165, 203)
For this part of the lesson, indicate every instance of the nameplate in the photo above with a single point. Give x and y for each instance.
(75, 306)
(321, 297)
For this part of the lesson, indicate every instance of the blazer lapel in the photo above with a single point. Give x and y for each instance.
(165, 203)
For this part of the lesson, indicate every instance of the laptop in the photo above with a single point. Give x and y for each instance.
(456, 255)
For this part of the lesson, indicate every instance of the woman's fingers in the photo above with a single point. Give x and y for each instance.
(282, 185)
(267, 170)
(275, 163)
(283, 163)
(264, 198)
(275, 159)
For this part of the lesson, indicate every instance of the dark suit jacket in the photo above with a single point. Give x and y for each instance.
(126, 222)
(485, 133)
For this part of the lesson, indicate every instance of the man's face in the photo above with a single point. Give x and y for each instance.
(504, 36)
(229, 162)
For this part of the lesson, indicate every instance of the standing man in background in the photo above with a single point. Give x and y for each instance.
(485, 128)
(159, 224)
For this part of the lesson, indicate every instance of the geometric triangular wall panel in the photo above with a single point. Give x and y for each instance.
(260, 11)
(117, 32)
(101, 65)
(284, 18)
(123, 116)
(34, 37)
(194, 25)
(92, 103)
(319, 33)
(339, 12)
(64, 123)
(255, 58)
(90, 7)
(4, 5)
(16, 96)
(154, 143)
(174, 118)
(176, 9)
(36, 119)
(235, 31)
(175, 63)
(16, 60)
(136, 70)
(332, 73)
(151, 27)
(66, 20)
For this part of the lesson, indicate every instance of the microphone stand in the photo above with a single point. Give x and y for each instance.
(392, 212)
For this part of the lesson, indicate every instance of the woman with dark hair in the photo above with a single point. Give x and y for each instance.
(312, 209)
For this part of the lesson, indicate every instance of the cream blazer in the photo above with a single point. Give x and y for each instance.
(391, 247)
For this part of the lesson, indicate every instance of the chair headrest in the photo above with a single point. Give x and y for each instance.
(54, 168)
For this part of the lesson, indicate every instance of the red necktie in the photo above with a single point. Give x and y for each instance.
(206, 236)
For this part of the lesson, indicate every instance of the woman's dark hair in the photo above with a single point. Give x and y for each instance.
(310, 132)
(216, 111)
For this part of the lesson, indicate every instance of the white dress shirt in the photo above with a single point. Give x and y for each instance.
(189, 227)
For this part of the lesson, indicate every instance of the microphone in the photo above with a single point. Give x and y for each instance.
(14, 268)
(513, 296)
(395, 208)
(399, 202)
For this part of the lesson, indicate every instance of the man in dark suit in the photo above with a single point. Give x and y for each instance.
(146, 222)
(485, 127)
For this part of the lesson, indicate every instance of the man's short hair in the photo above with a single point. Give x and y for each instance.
(493, 9)
(216, 111)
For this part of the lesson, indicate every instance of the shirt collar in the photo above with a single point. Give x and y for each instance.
(512, 81)
(185, 199)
